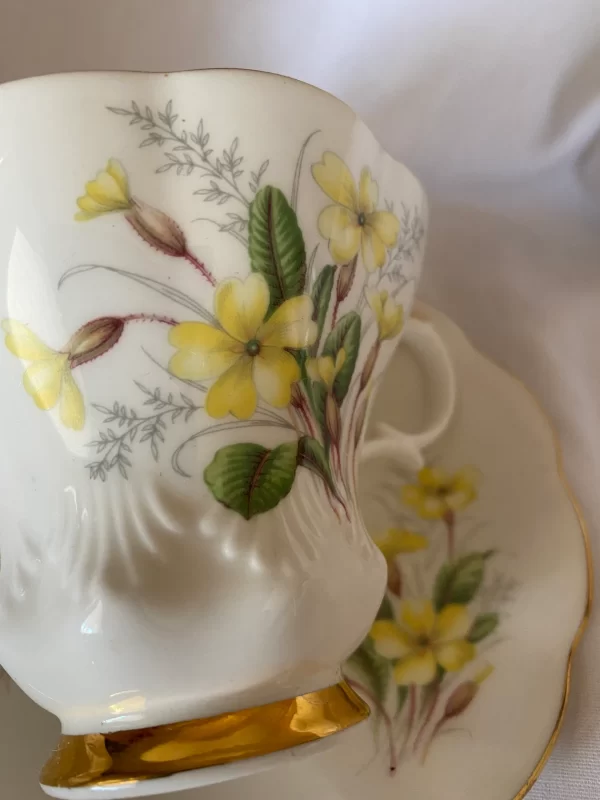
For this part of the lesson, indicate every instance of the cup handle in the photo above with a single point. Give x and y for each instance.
(429, 350)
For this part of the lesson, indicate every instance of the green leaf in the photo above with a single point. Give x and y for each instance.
(276, 246)
(458, 581)
(311, 454)
(482, 626)
(373, 667)
(401, 697)
(346, 334)
(251, 479)
(321, 295)
(386, 609)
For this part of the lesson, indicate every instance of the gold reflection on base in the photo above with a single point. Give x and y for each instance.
(98, 759)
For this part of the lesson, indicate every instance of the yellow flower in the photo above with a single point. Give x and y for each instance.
(438, 492)
(424, 639)
(48, 377)
(353, 223)
(389, 315)
(108, 192)
(248, 355)
(325, 369)
(397, 541)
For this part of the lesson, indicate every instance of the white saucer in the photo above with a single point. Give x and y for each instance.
(530, 545)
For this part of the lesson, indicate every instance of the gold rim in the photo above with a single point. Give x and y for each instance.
(421, 313)
(97, 759)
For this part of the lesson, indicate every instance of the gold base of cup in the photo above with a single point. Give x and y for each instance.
(102, 759)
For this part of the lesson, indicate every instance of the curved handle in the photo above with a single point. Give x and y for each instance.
(429, 350)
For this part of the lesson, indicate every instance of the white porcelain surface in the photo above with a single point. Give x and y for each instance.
(524, 512)
(128, 595)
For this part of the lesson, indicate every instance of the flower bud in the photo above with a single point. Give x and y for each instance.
(157, 228)
(369, 366)
(345, 280)
(332, 418)
(460, 699)
(94, 339)
(394, 579)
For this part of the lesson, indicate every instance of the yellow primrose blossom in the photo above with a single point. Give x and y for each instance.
(48, 377)
(353, 224)
(438, 492)
(423, 639)
(325, 369)
(396, 541)
(247, 354)
(108, 192)
(388, 314)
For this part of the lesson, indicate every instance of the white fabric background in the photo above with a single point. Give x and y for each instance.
(496, 105)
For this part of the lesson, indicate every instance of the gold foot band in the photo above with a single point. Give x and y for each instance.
(97, 759)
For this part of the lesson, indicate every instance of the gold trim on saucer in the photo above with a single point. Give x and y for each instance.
(421, 312)
(102, 759)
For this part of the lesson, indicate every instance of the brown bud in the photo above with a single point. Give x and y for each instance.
(93, 339)
(460, 699)
(394, 580)
(345, 280)
(332, 418)
(157, 228)
(369, 366)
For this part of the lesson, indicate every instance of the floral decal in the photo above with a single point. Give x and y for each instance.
(277, 349)
(425, 658)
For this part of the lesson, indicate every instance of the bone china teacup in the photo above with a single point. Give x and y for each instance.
(202, 277)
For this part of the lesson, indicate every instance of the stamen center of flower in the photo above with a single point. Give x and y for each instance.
(253, 347)
(362, 218)
(423, 641)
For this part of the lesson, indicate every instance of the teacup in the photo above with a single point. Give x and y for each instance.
(204, 275)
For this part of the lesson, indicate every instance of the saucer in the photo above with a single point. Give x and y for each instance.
(467, 667)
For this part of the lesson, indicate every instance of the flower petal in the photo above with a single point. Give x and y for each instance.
(453, 656)
(290, 325)
(241, 306)
(453, 622)
(233, 393)
(72, 409)
(115, 169)
(23, 343)
(386, 225)
(372, 249)
(377, 301)
(327, 370)
(392, 319)
(341, 227)
(464, 485)
(433, 477)
(274, 372)
(43, 380)
(109, 191)
(368, 192)
(390, 641)
(335, 179)
(312, 369)
(398, 541)
(419, 668)
(205, 352)
(418, 617)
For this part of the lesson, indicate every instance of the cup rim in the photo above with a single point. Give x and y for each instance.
(275, 76)
(99, 73)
